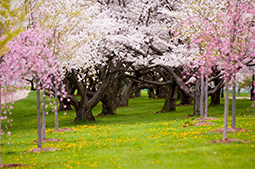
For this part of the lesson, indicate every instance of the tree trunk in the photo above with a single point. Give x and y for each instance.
(56, 109)
(215, 98)
(170, 100)
(226, 109)
(43, 116)
(185, 99)
(151, 94)
(108, 106)
(161, 92)
(39, 133)
(206, 96)
(196, 109)
(64, 105)
(233, 124)
(126, 95)
(202, 99)
(138, 93)
(84, 114)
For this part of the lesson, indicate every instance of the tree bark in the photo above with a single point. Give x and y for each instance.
(206, 96)
(202, 99)
(233, 124)
(108, 106)
(126, 95)
(43, 116)
(226, 109)
(161, 92)
(170, 100)
(138, 93)
(185, 99)
(196, 109)
(151, 94)
(39, 133)
(215, 98)
(56, 109)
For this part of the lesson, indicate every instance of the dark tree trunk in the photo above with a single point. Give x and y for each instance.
(126, 95)
(170, 100)
(138, 93)
(84, 113)
(151, 94)
(64, 105)
(161, 92)
(215, 98)
(185, 99)
(108, 106)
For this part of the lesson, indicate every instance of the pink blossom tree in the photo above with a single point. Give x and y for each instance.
(35, 57)
(227, 42)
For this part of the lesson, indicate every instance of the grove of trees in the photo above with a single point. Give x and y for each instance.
(109, 50)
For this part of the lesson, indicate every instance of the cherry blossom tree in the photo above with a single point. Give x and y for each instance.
(35, 57)
(12, 16)
(227, 42)
(103, 33)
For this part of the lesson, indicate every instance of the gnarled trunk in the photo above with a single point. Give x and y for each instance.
(126, 95)
(185, 99)
(170, 100)
(215, 98)
(108, 106)
(161, 92)
(151, 94)
(84, 114)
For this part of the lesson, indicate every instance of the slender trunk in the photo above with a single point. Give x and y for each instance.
(226, 109)
(43, 115)
(56, 109)
(206, 96)
(196, 110)
(39, 133)
(202, 99)
(233, 125)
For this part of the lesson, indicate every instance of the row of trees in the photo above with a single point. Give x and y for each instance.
(102, 46)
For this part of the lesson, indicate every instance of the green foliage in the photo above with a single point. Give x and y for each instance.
(135, 138)
(10, 22)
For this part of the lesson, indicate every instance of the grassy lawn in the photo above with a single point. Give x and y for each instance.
(135, 138)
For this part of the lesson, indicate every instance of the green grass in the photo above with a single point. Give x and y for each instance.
(135, 138)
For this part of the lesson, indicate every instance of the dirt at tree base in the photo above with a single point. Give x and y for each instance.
(207, 118)
(49, 140)
(228, 141)
(203, 123)
(11, 165)
(229, 130)
(63, 130)
(37, 150)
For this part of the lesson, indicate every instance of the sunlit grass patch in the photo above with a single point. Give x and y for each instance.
(135, 138)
